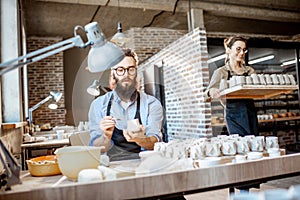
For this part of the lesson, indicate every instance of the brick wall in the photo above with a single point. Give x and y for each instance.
(186, 75)
(148, 41)
(44, 76)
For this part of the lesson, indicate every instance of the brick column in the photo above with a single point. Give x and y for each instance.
(186, 75)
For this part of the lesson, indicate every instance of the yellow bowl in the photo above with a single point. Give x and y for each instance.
(43, 166)
(73, 159)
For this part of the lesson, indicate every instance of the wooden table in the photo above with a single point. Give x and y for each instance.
(27, 148)
(138, 187)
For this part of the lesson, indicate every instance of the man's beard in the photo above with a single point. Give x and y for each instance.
(126, 92)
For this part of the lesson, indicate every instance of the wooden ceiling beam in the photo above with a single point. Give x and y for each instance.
(228, 10)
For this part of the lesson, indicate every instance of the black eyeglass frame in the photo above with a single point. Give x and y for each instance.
(120, 71)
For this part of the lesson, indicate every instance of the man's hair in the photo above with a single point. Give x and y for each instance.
(131, 53)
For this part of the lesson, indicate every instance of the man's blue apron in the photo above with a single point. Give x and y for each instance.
(122, 149)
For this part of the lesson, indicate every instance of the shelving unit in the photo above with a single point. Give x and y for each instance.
(283, 109)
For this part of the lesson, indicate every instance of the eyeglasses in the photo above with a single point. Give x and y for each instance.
(239, 49)
(130, 70)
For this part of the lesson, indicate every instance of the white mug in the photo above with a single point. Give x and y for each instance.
(262, 79)
(275, 79)
(268, 79)
(249, 80)
(272, 142)
(281, 79)
(240, 80)
(292, 79)
(286, 79)
(255, 79)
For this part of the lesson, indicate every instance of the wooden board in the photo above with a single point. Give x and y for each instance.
(257, 91)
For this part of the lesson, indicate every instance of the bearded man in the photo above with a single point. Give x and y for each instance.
(109, 114)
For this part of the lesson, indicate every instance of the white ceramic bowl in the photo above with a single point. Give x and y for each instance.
(146, 154)
(73, 159)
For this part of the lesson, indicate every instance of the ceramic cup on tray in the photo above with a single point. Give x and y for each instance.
(249, 80)
(268, 79)
(275, 80)
(255, 79)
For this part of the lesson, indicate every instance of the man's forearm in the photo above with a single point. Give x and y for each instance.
(147, 142)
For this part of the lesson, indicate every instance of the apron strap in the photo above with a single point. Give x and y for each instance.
(137, 113)
(228, 75)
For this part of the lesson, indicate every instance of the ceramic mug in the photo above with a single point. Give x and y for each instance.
(232, 81)
(281, 79)
(249, 80)
(212, 149)
(275, 80)
(262, 79)
(272, 142)
(286, 79)
(242, 146)
(228, 148)
(255, 79)
(268, 79)
(292, 79)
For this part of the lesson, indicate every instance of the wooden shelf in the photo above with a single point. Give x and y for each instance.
(6, 126)
(257, 91)
(267, 121)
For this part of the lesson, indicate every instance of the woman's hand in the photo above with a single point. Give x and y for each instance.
(214, 93)
(107, 125)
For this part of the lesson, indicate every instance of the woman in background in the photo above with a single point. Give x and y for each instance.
(240, 114)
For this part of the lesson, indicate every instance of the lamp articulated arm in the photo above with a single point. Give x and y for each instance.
(33, 108)
(41, 54)
(102, 56)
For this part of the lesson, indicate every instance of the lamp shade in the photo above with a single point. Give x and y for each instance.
(104, 57)
(94, 88)
(103, 54)
(120, 38)
(56, 95)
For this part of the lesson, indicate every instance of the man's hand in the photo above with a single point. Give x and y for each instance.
(135, 136)
(107, 125)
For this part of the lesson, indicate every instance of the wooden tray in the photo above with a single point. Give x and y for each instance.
(256, 91)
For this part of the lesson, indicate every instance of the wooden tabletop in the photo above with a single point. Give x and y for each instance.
(136, 187)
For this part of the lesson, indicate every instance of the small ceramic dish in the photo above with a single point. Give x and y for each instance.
(209, 162)
(254, 155)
